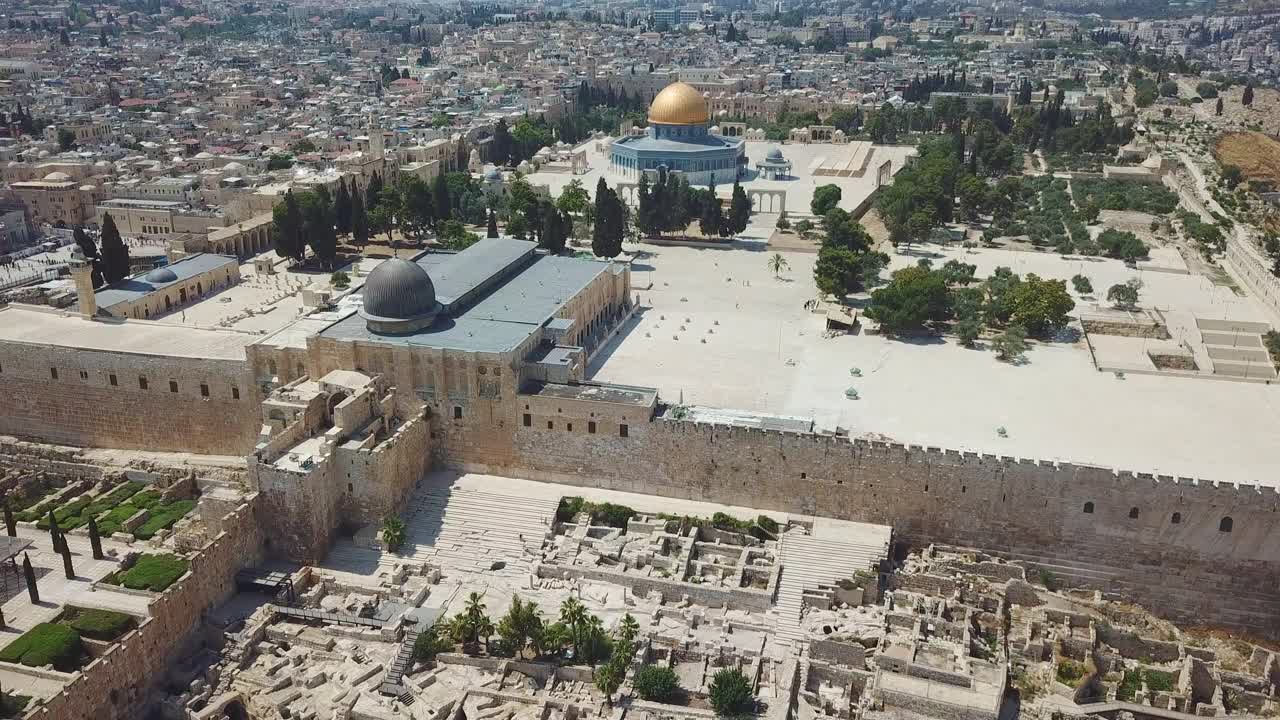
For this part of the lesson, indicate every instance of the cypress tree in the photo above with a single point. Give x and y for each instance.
(342, 209)
(739, 210)
(115, 256)
(493, 225)
(440, 199)
(359, 221)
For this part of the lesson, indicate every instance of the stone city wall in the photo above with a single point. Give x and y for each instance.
(115, 685)
(82, 407)
(1037, 512)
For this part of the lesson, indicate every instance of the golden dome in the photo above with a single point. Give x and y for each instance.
(679, 104)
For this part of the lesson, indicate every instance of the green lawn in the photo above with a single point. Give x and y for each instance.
(105, 625)
(46, 644)
(153, 572)
(163, 516)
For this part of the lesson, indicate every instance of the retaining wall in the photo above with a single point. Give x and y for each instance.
(1030, 510)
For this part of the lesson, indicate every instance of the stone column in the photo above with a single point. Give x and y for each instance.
(10, 523)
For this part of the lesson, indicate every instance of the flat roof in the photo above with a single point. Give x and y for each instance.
(45, 326)
(458, 275)
(137, 286)
(514, 308)
(595, 392)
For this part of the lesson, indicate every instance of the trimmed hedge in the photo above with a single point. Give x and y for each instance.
(153, 572)
(163, 516)
(46, 644)
(106, 625)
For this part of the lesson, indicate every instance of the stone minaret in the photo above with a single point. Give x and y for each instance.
(82, 272)
(376, 147)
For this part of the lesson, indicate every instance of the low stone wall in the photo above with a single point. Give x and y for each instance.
(848, 654)
(116, 685)
(1150, 331)
(733, 598)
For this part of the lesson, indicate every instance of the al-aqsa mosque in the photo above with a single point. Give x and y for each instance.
(678, 138)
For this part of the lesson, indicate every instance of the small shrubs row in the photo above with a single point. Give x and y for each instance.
(1156, 680)
(608, 514)
(46, 644)
(153, 572)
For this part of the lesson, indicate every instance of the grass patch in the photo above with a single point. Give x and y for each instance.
(46, 644)
(13, 706)
(1157, 681)
(122, 492)
(105, 625)
(113, 521)
(153, 572)
(146, 499)
(1070, 672)
(68, 510)
(163, 516)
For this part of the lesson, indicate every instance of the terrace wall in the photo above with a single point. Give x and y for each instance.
(115, 686)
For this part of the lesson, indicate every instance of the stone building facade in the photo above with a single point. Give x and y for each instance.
(72, 381)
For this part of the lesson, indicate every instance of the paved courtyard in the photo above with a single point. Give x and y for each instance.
(799, 188)
(718, 329)
(56, 592)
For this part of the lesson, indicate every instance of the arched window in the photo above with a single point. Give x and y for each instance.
(1133, 513)
(1226, 524)
(1176, 519)
(1088, 508)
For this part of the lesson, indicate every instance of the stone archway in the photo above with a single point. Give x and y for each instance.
(629, 193)
(335, 400)
(767, 201)
(884, 174)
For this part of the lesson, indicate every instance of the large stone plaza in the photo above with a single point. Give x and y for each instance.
(481, 484)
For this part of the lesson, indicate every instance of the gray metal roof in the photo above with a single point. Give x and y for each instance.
(137, 286)
(519, 299)
(458, 277)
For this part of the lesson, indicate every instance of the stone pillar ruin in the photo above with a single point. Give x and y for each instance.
(10, 524)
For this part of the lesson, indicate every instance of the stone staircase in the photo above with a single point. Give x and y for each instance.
(463, 530)
(807, 564)
(391, 682)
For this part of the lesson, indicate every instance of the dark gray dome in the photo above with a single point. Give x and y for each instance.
(775, 153)
(399, 297)
(160, 276)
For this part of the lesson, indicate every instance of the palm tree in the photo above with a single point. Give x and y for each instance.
(594, 640)
(628, 629)
(777, 264)
(574, 614)
(392, 533)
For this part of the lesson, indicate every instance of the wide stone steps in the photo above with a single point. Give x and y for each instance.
(809, 562)
(471, 530)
